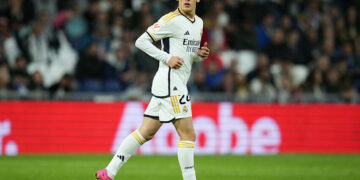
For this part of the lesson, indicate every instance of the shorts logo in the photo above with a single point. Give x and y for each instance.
(185, 109)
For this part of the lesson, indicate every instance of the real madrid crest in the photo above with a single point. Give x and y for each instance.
(185, 109)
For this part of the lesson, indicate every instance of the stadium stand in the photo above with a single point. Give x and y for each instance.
(285, 51)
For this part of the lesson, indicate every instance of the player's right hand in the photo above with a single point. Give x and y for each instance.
(176, 62)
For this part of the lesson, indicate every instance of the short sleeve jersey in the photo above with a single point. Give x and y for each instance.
(180, 36)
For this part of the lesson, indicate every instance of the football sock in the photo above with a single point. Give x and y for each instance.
(186, 159)
(127, 148)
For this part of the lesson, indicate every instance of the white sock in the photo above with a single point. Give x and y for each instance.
(127, 148)
(186, 159)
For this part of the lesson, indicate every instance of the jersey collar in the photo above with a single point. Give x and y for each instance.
(192, 21)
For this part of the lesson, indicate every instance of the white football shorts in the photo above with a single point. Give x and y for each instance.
(170, 108)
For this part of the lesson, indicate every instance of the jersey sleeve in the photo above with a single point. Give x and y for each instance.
(144, 43)
(159, 30)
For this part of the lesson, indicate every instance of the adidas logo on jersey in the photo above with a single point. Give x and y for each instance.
(175, 88)
(187, 33)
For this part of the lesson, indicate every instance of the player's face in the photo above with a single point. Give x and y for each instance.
(188, 5)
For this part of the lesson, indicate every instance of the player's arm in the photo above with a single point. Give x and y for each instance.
(145, 43)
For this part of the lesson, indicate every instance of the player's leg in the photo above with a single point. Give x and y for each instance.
(131, 143)
(185, 129)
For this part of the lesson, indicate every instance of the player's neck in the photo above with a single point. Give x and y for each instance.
(189, 14)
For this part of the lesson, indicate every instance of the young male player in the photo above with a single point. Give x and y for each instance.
(180, 34)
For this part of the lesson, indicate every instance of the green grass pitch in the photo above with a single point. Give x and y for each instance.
(83, 167)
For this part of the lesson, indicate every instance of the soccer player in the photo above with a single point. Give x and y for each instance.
(180, 34)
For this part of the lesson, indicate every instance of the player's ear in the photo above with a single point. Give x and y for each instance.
(197, 1)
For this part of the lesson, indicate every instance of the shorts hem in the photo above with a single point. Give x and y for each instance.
(152, 117)
(175, 118)
(167, 121)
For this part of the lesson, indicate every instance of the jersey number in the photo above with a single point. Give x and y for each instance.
(182, 99)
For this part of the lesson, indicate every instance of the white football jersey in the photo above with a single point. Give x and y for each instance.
(180, 36)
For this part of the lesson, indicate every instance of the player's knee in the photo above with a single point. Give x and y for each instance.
(189, 135)
(146, 133)
(148, 136)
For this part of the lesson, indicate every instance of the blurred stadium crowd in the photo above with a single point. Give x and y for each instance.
(275, 50)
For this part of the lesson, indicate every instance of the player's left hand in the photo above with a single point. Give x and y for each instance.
(204, 51)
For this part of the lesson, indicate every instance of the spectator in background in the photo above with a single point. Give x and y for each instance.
(20, 65)
(65, 85)
(138, 88)
(245, 36)
(286, 24)
(228, 84)
(214, 75)
(341, 35)
(158, 8)
(348, 55)
(276, 48)
(315, 85)
(345, 73)
(4, 30)
(119, 61)
(241, 87)
(102, 38)
(48, 6)
(140, 16)
(216, 35)
(310, 44)
(262, 87)
(74, 25)
(4, 80)
(117, 29)
(312, 15)
(261, 64)
(36, 82)
(332, 79)
(334, 12)
(286, 90)
(328, 49)
(90, 69)
(293, 49)
(265, 30)
(91, 14)
(20, 10)
(241, 31)
(347, 89)
(199, 81)
(3, 58)
(352, 22)
(122, 68)
(20, 82)
(283, 79)
(38, 43)
(357, 62)
(117, 10)
(322, 63)
(218, 19)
